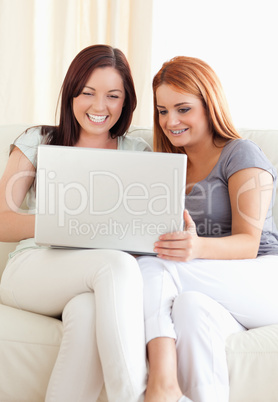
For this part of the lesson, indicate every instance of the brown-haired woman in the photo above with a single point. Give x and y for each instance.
(98, 292)
(217, 276)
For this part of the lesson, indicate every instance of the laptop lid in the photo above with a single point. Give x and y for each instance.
(113, 199)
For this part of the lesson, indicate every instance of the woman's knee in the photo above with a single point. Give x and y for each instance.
(122, 259)
(125, 267)
(191, 308)
(119, 270)
(199, 313)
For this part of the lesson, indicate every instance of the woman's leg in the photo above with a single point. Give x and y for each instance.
(161, 287)
(202, 326)
(160, 292)
(79, 322)
(244, 289)
(247, 289)
(45, 280)
(163, 383)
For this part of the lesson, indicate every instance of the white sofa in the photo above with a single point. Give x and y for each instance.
(29, 343)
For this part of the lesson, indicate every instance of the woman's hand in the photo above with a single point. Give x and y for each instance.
(179, 246)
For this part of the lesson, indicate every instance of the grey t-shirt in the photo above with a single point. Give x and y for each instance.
(209, 202)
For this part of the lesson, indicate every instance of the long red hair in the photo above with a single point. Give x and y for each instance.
(195, 77)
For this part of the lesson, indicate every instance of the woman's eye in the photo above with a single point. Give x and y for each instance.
(162, 112)
(113, 96)
(184, 110)
(87, 93)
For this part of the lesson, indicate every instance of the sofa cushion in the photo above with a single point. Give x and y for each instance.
(29, 343)
(252, 358)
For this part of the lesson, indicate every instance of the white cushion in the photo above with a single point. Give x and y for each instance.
(252, 358)
(29, 344)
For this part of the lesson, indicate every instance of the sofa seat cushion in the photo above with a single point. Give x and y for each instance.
(253, 359)
(29, 344)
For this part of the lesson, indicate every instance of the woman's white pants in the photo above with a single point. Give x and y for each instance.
(201, 303)
(99, 294)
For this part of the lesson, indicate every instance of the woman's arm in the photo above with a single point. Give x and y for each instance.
(14, 185)
(250, 193)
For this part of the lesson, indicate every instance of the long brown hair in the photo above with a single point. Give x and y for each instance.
(195, 77)
(82, 66)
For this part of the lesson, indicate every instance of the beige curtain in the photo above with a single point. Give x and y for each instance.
(39, 38)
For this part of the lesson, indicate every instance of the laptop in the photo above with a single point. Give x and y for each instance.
(112, 199)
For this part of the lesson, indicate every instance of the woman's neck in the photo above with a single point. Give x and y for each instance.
(205, 151)
(201, 162)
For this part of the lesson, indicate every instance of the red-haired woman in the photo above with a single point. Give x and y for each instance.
(218, 276)
(98, 292)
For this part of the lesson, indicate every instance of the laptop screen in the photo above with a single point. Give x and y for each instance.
(96, 198)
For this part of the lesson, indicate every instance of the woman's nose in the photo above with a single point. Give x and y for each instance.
(173, 119)
(99, 103)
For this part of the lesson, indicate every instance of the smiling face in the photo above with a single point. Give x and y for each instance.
(182, 117)
(100, 104)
